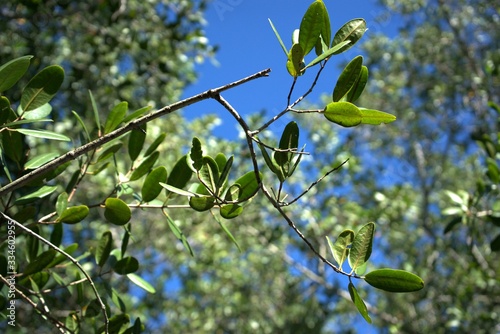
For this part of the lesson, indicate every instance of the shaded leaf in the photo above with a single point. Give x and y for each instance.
(154, 145)
(202, 203)
(62, 202)
(273, 166)
(103, 249)
(117, 211)
(196, 154)
(209, 174)
(394, 280)
(181, 174)
(127, 265)
(74, 214)
(109, 151)
(295, 63)
(136, 142)
(12, 71)
(333, 50)
(36, 195)
(359, 303)
(224, 174)
(40, 262)
(340, 249)
(57, 234)
(42, 87)
(248, 186)
(151, 187)
(115, 117)
(289, 141)
(136, 114)
(495, 244)
(230, 211)
(145, 166)
(230, 236)
(179, 235)
(116, 322)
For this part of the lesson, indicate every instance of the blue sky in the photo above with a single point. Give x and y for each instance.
(247, 45)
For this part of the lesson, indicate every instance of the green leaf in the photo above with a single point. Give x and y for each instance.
(375, 117)
(36, 195)
(179, 235)
(181, 173)
(125, 239)
(142, 283)
(248, 186)
(178, 191)
(333, 50)
(74, 214)
(273, 166)
(82, 124)
(209, 175)
(278, 37)
(311, 26)
(109, 151)
(57, 234)
(394, 280)
(96, 111)
(289, 141)
(340, 249)
(40, 160)
(196, 154)
(13, 146)
(40, 262)
(361, 247)
(326, 31)
(230, 211)
(359, 86)
(359, 303)
(39, 113)
(62, 258)
(42, 87)
(116, 323)
(343, 113)
(115, 117)
(347, 78)
(201, 203)
(151, 187)
(352, 31)
(136, 114)
(127, 265)
(5, 110)
(495, 244)
(230, 236)
(93, 309)
(295, 63)
(155, 144)
(136, 142)
(117, 211)
(42, 134)
(224, 172)
(104, 248)
(12, 71)
(145, 166)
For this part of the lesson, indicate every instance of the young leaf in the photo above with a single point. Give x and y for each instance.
(140, 282)
(145, 166)
(127, 265)
(115, 117)
(352, 31)
(359, 86)
(375, 117)
(311, 26)
(361, 247)
(151, 187)
(43, 134)
(394, 280)
(12, 71)
(343, 113)
(340, 249)
(181, 173)
(117, 211)
(42, 87)
(74, 214)
(347, 78)
(278, 37)
(104, 248)
(359, 303)
(295, 62)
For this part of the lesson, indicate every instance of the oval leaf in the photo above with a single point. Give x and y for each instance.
(104, 248)
(12, 71)
(117, 211)
(151, 187)
(352, 32)
(295, 63)
(42, 87)
(181, 173)
(347, 78)
(311, 26)
(359, 86)
(115, 117)
(230, 211)
(375, 117)
(203, 203)
(127, 265)
(289, 141)
(361, 247)
(74, 214)
(248, 186)
(343, 113)
(136, 142)
(394, 280)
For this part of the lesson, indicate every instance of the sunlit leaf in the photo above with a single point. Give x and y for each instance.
(43, 134)
(375, 117)
(343, 113)
(117, 211)
(142, 283)
(352, 31)
(278, 37)
(40, 160)
(359, 303)
(394, 280)
(340, 248)
(248, 186)
(39, 113)
(36, 195)
(181, 173)
(224, 174)
(12, 71)
(209, 174)
(359, 86)
(145, 166)
(230, 236)
(136, 114)
(295, 63)
(42, 87)
(333, 50)
(178, 191)
(155, 144)
(202, 203)
(361, 247)
(311, 26)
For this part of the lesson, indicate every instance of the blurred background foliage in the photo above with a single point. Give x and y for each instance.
(427, 180)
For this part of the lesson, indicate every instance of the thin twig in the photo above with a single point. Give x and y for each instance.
(72, 155)
(73, 260)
